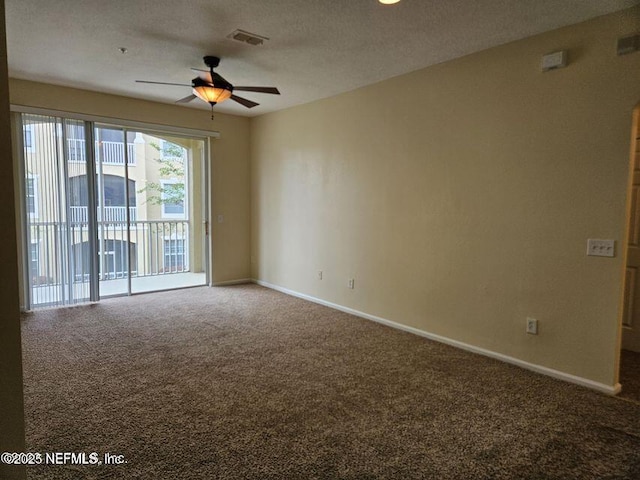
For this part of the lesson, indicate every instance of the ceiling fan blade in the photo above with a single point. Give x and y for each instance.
(164, 83)
(272, 90)
(244, 101)
(204, 75)
(186, 99)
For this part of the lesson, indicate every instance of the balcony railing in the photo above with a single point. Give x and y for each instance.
(157, 247)
(111, 153)
(104, 214)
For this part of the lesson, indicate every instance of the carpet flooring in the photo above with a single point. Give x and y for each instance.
(247, 383)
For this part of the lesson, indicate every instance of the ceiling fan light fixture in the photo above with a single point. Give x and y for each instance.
(211, 94)
(212, 88)
(388, 2)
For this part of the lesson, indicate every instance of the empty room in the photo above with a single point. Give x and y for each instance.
(288, 239)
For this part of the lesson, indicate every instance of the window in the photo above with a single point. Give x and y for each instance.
(115, 191)
(172, 199)
(76, 147)
(28, 138)
(174, 256)
(112, 185)
(32, 196)
(34, 263)
(171, 151)
(76, 151)
(110, 146)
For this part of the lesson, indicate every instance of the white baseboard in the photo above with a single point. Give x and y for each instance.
(239, 281)
(567, 377)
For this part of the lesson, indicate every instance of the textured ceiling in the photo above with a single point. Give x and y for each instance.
(316, 48)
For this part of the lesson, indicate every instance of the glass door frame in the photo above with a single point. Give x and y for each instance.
(91, 123)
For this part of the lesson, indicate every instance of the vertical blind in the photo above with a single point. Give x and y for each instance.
(54, 150)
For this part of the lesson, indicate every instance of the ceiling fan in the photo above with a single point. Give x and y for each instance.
(212, 88)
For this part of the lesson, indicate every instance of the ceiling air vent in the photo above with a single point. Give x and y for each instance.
(246, 37)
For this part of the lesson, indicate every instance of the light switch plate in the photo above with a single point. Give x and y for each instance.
(601, 248)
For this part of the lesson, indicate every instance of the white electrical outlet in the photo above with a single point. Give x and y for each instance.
(532, 326)
(319, 274)
(352, 283)
(601, 248)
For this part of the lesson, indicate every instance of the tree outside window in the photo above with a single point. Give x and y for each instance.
(169, 191)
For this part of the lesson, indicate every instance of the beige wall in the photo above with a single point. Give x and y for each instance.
(11, 404)
(230, 158)
(460, 197)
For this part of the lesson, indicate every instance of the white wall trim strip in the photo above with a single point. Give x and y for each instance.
(567, 377)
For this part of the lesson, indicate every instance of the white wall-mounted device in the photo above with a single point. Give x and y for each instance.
(601, 248)
(554, 60)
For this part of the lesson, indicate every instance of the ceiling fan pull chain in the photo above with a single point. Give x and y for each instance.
(211, 112)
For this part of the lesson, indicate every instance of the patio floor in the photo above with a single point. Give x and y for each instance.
(152, 283)
(51, 295)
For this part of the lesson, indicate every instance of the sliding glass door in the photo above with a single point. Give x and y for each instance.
(109, 211)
